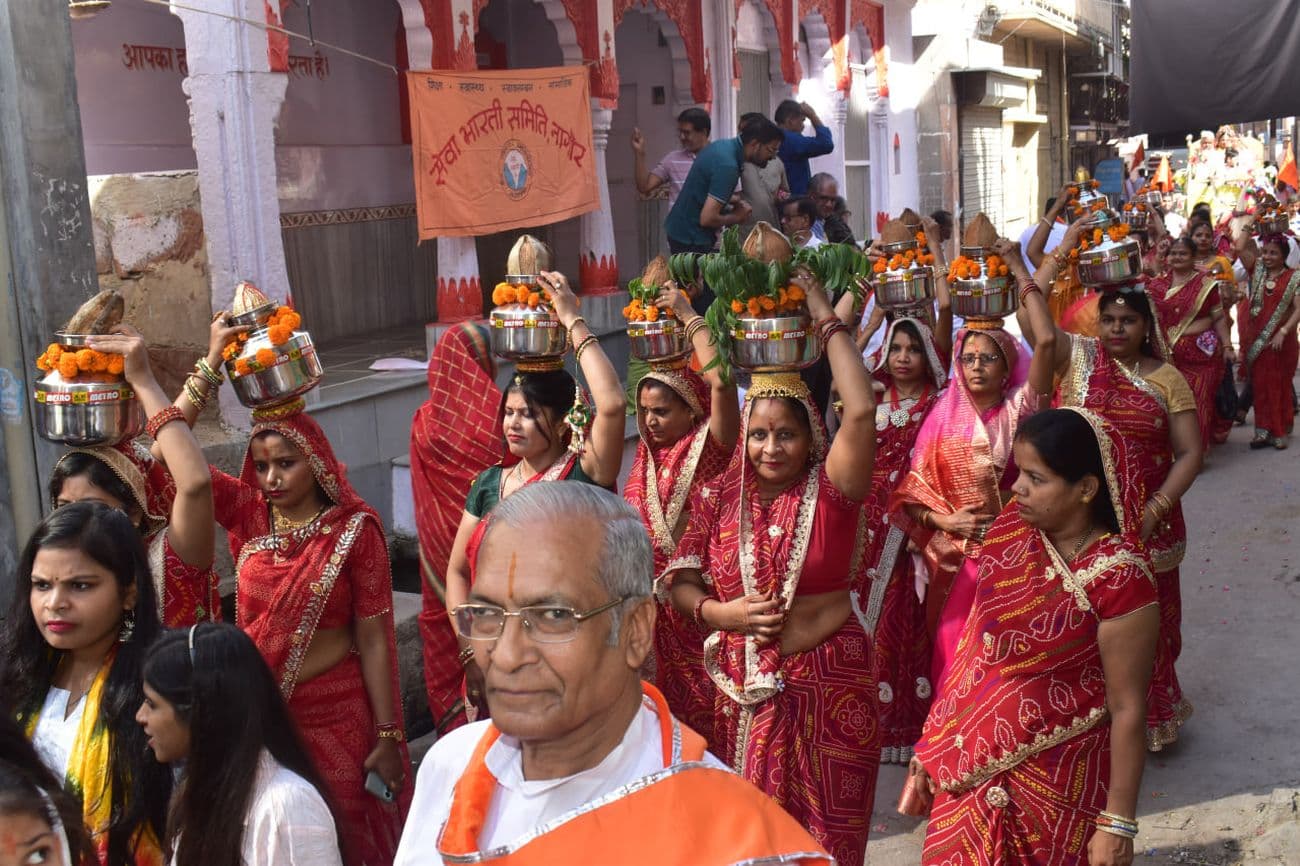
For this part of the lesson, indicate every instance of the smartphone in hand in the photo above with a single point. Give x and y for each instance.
(376, 787)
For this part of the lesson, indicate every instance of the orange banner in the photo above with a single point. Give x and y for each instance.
(498, 150)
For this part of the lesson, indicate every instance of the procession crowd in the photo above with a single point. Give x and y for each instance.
(943, 546)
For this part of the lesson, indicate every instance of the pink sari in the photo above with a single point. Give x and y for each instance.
(962, 458)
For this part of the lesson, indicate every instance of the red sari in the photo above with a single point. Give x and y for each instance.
(1199, 357)
(674, 473)
(329, 574)
(891, 610)
(1018, 739)
(454, 436)
(187, 594)
(1271, 370)
(803, 727)
(1138, 411)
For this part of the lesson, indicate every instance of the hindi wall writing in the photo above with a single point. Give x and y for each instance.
(164, 58)
(497, 150)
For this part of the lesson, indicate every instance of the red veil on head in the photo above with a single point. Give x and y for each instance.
(306, 435)
(455, 435)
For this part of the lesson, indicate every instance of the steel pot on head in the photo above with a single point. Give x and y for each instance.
(776, 344)
(91, 409)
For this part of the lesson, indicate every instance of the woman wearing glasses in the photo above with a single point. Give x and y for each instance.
(765, 568)
(248, 794)
(962, 469)
(1121, 376)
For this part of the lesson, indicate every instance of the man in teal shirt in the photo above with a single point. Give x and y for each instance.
(704, 206)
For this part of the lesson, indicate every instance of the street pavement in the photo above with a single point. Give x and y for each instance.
(1228, 792)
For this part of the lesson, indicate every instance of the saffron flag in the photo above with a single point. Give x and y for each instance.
(1164, 179)
(1287, 173)
(500, 149)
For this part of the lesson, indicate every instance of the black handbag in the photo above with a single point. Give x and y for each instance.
(1226, 401)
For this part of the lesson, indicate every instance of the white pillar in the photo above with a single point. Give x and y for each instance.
(234, 101)
(597, 258)
(460, 295)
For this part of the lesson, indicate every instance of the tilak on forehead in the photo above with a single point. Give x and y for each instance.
(510, 576)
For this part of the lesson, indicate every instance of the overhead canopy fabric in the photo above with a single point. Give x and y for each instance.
(1197, 64)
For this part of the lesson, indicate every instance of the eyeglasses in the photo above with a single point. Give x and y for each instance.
(970, 359)
(544, 623)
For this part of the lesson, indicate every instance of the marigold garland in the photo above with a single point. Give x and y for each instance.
(71, 363)
(964, 268)
(279, 330)
(789, 299)
(519, 293)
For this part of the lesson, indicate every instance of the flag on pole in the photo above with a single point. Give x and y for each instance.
(1139, 156)
(1164, 179)
(1287, 173)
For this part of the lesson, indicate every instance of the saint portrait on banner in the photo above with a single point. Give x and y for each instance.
(515, 165)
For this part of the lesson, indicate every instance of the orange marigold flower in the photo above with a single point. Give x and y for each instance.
(116, 364)
(85, 360)
(278, 335)
(754, 307)
(920, 238)
(534, 299)
(68, 365)
(796, 294)
(652, 314)
(242, 368)
(737, 307)
(99, 362)
(265, 358)
(767, 304)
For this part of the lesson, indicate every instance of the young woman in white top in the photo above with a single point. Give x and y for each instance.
(212, 706)
(83, 614)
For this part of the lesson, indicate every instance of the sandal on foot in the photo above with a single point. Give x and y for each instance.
(1261, 440)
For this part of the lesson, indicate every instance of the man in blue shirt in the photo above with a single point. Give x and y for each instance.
(707, 202)
(798, 148)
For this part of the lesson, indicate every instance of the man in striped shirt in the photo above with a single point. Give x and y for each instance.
(693, 128)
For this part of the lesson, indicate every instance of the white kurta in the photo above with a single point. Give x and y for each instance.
(520, 806)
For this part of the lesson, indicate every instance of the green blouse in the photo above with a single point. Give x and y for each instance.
(485, 493)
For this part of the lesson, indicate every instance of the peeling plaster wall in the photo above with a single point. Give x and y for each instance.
(149, 245)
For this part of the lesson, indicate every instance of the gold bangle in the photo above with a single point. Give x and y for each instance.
(574, 324)
(204, 369)
(393, 733)
(586, 341)
(192, 394)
